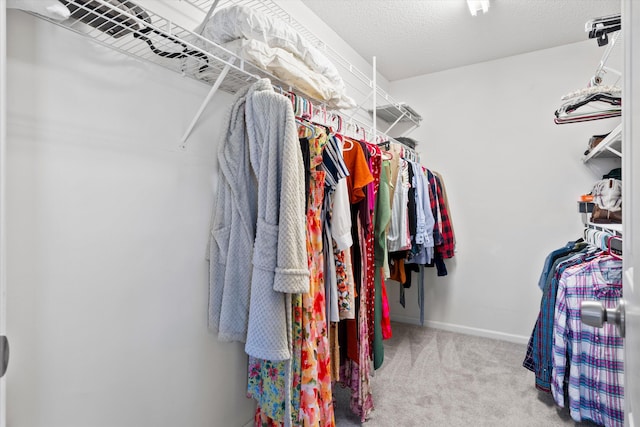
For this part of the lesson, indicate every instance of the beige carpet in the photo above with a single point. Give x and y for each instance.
(443, 379)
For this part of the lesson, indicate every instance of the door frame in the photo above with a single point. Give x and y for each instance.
(3, 209)
(631, 206)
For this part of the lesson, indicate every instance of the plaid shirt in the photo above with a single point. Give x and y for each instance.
(595, 355)
(539, 352)
(442, 230)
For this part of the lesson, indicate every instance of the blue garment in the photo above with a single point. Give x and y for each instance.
(422, 249)
(421, 295)
(548, 272)
(548, 262)
(542, 343)
(548, 296)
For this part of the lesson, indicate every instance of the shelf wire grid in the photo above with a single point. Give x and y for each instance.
(183, 51)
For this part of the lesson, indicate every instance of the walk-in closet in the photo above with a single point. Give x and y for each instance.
(318, 213)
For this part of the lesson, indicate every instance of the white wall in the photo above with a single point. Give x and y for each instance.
(107, 232)
(512, 176)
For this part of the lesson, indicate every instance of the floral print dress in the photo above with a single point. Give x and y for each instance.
(309, 378)
(316, 399)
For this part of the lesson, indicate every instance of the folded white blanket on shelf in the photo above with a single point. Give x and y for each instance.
(275, 47)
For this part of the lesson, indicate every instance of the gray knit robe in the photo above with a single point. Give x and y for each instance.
(258, 243)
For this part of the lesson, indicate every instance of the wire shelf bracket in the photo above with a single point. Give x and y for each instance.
(207, 100)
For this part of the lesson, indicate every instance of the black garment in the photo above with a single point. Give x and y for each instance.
(408, 268)
(409, 142)
(306, 158)
(356, 254)
(440, 265)
(437, 236)
(411, 208)
(614, 173)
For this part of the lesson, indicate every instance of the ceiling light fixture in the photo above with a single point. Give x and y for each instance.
(477, 5)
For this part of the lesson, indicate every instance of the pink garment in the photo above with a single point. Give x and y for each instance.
(386, 316)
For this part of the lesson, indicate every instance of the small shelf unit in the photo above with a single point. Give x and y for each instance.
(611, 146)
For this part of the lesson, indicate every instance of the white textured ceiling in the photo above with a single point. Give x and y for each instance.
(414, 37)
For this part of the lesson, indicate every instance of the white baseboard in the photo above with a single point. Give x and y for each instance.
(405, 319)
(519, 339)
(248, 424)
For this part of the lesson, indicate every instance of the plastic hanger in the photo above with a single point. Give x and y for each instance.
(308, 126)
(610, 250)
(347, 148)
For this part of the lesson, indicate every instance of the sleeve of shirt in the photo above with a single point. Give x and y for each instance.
(421, 221)
(382, 217)
(448, 247)
(429, 221)
(433, 201)
(546, 269)
(291, 272)
(559, 344)
(550, 259)
(341, 217)
(395, 239)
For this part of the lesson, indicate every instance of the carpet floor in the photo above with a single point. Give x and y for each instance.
(437, 378)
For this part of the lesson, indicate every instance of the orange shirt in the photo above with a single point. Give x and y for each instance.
(359, 173)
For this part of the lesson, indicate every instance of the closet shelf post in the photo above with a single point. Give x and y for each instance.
(3, 198)
(375, 99)
(209, 13)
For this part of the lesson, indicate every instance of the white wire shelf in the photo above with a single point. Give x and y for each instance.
(148, 37)
(611, 146)
(183, 51)
(271, 8)
(398, 112)
(585, 209)
(615, 229)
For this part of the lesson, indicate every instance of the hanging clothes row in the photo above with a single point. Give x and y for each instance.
(421, 231)
(313, 212)
(581, 366)
(333, 120)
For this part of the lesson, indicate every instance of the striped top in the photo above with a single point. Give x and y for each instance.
(333, 163)
(595, 355)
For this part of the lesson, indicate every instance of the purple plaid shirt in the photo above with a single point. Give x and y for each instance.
(595, 355)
